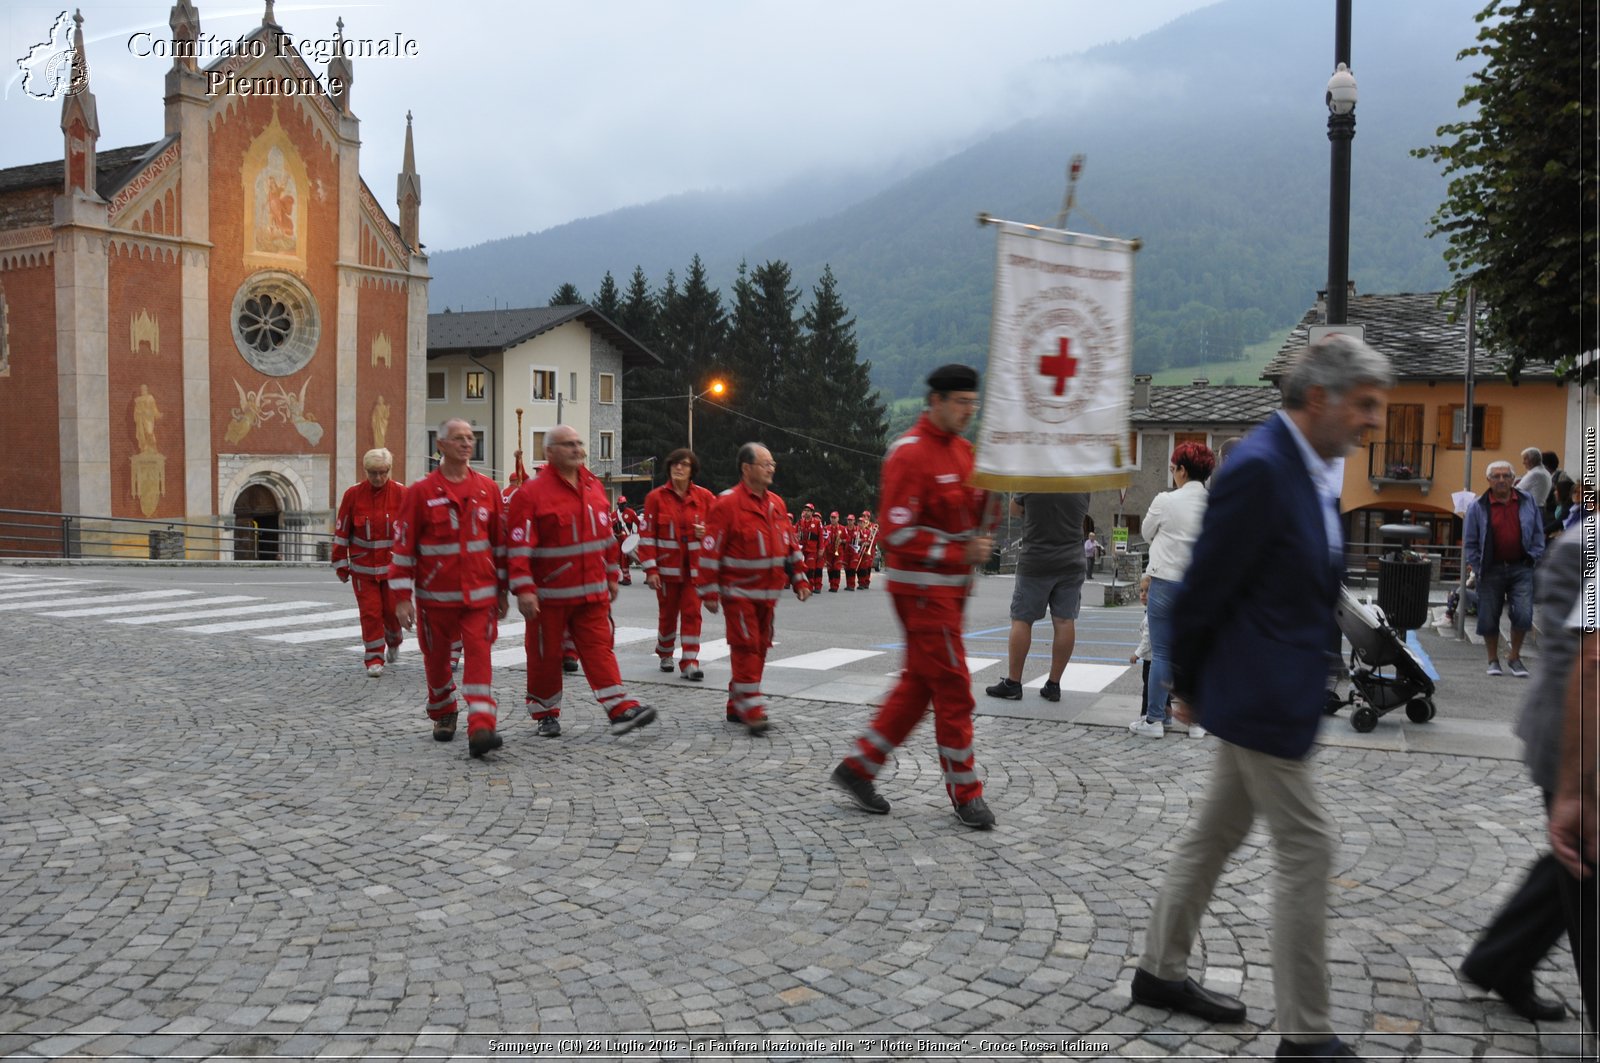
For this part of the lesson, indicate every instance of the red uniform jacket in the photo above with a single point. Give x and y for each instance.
(811, 538)
(749, 550)
(929, 511)
(832, 545)
(449, 552)
(668, 545)
(363, 533)
(561, 545)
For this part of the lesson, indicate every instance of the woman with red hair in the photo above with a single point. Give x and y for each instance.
(1170, 527)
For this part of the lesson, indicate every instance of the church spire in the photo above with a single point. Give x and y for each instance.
(409, 194)
(80, 120)
(267, 17)
(340, 70)
(185, 22)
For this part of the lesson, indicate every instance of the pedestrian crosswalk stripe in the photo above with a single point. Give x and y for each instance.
(714, 650)
(210, 614)
(822, 660)
(281, 621)
(38, 592)
(148, 607)
(100, 599)
(1083, 678)
(327, 634)
(978, 664)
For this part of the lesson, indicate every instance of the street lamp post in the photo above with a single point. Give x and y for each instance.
(716, 388)
(1341, 101)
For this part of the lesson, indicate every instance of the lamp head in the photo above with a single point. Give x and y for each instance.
(1341, 97)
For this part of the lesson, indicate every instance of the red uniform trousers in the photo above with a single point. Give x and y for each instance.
(935, 670)
(379, 626)
(833, 574)
(569, 649)
(749, 625)
(849, 573)
(813, 558)
(439, 629)
(591, 632)
(864, 574)
(679, 604)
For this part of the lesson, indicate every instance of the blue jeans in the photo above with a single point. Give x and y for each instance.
(1158, 612)
(1499, 585)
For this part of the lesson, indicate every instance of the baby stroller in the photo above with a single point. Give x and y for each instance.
(1375, 646)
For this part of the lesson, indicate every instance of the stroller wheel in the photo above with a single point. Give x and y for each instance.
(1364, 719)
(1419, 710)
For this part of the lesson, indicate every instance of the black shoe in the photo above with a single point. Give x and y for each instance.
(1332, 1048)
(1519, 995)
(1187, 996)
(549, 727)
(694, 675)
(1009, 689)
(628, 719)
(975, 814)
(861, 791)
(1050, 691)
(444, 728)
(569, 664)
(733, 717)
(758, 726)
(483, 741)
(833, 590)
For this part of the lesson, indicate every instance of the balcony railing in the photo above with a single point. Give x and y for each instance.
(1409, 464)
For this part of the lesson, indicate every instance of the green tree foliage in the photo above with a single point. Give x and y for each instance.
(567, 295)
(637, 314)
(607, 300)
(1520, 216)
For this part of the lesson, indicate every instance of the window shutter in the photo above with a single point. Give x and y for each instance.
(1491, 428)
(1446, 416)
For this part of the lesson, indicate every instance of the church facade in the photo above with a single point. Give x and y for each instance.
(212, 328)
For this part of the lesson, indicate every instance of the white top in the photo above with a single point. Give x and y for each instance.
(1327, 478)
(1171, 527)
(1536, 482)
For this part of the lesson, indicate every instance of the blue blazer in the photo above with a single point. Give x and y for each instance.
(1253, 624)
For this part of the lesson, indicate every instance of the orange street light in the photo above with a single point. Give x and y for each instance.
(717, 388)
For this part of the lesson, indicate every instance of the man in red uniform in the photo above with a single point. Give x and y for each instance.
(624, 522)
(562, 558)
(449, 551)
(851, 551)
(675, 516)
(362, 536)
(811, 545)
(931, 541)
(868, 550)
(748, 554)
(833, 549)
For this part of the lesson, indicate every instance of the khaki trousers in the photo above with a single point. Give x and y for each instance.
(1244, 783)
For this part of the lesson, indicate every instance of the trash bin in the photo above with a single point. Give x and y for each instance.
(1404, 578)
(166, 545)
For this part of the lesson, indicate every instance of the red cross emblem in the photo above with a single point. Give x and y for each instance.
(1061, 366)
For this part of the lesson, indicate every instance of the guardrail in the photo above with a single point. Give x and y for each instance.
(39, 534)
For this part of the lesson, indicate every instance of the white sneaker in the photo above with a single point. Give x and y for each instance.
(394, 654)
(374, 670)
(1147, 728)
(1196, 731)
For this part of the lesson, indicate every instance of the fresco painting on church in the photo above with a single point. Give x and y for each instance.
(275, 190)
(149, 464)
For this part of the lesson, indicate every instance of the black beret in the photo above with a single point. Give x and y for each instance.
(953, 377)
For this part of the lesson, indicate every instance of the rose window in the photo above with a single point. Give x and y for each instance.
(275, 323)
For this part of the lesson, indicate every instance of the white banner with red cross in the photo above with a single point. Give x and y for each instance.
(1056, 396)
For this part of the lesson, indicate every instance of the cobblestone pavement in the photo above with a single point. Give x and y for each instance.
(247, 849)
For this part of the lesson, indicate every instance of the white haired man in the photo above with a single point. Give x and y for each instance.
(1502, 539)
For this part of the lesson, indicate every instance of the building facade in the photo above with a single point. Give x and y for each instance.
(219, 323)
(554, 365)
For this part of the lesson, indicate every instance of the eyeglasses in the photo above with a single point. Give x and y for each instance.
(567, 443)
(965, 404)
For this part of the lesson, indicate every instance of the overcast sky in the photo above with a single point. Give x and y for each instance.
(532, 114)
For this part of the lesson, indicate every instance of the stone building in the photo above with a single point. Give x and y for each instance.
(220, 323)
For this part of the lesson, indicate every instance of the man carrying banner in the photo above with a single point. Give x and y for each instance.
(931, 541)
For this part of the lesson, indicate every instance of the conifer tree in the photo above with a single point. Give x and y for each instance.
(607, 300)
(567, 295)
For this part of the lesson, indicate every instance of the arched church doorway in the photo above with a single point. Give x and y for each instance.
(258, 518)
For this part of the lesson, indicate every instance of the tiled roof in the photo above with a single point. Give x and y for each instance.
(113, 169)
(1207, 404)
(499, 330)
(1414, 331)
